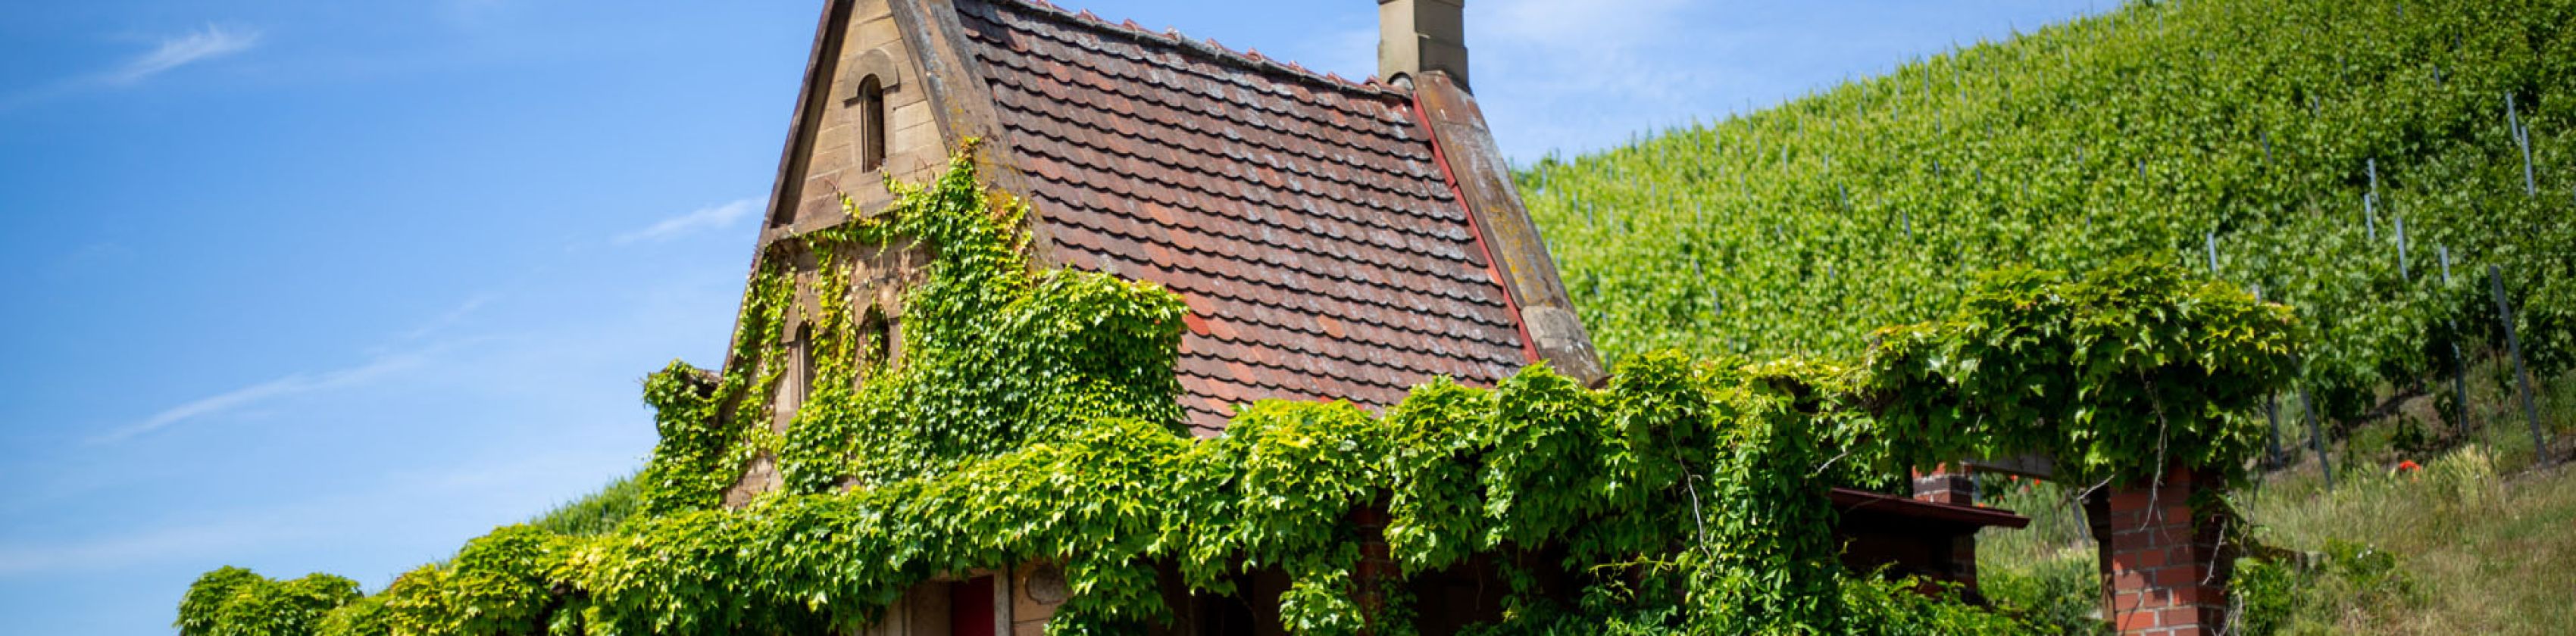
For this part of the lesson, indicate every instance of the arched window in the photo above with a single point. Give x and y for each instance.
(875, 333)
(872, 124)
(804, 362)
(798, 381)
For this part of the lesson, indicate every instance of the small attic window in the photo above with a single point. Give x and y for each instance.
(872, 124)
(867, 80)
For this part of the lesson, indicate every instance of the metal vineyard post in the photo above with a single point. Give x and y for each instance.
(2317, 435)
(2521, 139)
(2522, 376)
(2460, 364)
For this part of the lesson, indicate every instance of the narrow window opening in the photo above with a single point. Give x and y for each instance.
(872, 124)
(876, 348)
(804, 362)
(799, 371)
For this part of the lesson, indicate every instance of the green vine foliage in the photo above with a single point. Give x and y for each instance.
(236, 602)
(994, 355)
(2130, 370)
(1034, 418)
(686, 471)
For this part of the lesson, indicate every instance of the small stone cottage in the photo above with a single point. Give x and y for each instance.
(1333, 238)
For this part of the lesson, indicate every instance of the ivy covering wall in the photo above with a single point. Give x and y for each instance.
(1034, 418)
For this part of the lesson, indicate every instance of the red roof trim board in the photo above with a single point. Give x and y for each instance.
(1528, 349)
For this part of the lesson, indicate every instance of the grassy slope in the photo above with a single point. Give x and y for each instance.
(2144, 131)
(2476, 551)
(2479, 553)
(2484, 541)
(597, 512)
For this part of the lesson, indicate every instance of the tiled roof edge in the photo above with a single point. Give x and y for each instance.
(1371, 87)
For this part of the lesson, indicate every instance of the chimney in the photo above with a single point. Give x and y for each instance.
(1419, 36)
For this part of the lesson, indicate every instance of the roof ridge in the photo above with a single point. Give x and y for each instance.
(1373, 86)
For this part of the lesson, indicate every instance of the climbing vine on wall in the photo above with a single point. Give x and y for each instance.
(994, 354)
(1034, 418)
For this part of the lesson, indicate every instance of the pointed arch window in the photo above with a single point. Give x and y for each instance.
(870, 78)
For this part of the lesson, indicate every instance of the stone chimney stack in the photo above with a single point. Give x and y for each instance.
(1419, 36)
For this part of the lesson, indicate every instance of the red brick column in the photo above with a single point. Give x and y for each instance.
(1958, 488)
(1944, 486)
(2165, 569)
(1377, 566)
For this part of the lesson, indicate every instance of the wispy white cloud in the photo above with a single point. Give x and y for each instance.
(256, 394)
(142, 547)
(709, 218)
(212, 42)
(1584, 25)
(450, 318)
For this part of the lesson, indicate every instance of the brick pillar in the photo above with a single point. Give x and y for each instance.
(1958, 488)
(1377, 565)
(1944, 486)
(2165, 570)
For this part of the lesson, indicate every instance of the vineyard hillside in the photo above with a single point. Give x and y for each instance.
(2363, 161)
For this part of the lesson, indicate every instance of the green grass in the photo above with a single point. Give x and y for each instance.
(2478, 552)
(2483, 540)
(595, 513)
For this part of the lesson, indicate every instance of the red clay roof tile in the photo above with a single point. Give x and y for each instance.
(1322, 252)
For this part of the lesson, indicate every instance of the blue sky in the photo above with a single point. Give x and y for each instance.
(302, 285)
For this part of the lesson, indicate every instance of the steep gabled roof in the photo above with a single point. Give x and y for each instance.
(1310, 221)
